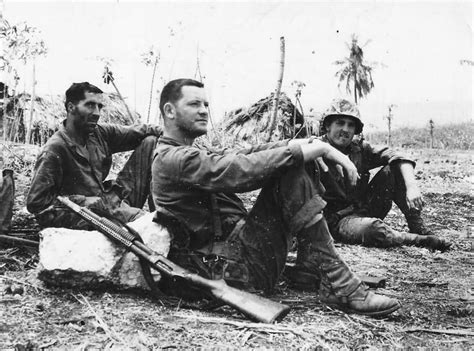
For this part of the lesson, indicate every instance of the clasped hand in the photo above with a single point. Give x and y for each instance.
(414, 198)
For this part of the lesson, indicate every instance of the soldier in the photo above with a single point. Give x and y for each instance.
(77, 159)
(355, 214)
(213, 233)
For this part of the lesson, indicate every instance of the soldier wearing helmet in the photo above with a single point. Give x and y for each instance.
(355, 214)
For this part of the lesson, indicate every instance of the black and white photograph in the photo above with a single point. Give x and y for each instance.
(236, 175)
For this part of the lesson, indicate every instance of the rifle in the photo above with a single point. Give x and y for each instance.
(253, 306)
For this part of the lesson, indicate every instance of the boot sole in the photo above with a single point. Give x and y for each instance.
(377, 313)
(370, 314)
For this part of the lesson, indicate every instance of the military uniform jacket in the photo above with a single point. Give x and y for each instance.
(338, 193)
(63, 168)
(184, 178)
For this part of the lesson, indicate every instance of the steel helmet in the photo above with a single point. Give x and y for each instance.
(343, 107)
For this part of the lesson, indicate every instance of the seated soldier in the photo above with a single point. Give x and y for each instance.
(215, 236)
(77, 159)
(355, 214)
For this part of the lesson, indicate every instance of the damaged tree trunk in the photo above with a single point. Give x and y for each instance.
(276, 98)
(32, 108)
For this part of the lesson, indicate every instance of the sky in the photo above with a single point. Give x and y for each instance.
(416, 46)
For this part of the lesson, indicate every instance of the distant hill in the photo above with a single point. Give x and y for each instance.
(447, 136)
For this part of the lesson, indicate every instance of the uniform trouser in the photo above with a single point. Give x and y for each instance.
(286, 206)
(366, 226)
(121, 199)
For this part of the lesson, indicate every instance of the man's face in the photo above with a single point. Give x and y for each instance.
(86, 113)
(191, 115)
(341, 131)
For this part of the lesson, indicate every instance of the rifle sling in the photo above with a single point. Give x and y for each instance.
(145, 266)
(143, 263)
(216, 221)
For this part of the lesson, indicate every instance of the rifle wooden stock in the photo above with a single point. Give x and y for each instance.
(253, 306)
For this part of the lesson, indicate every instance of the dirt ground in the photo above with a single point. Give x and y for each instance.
(436, 290)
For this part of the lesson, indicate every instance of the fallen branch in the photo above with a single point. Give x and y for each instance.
(363, 321)
(261, 327)
(11, 299)
(111, 333)
(72, 320)
(48, 344)
(7, 239)
(440, 331)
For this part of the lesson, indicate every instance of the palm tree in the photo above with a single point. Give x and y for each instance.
(356, 72)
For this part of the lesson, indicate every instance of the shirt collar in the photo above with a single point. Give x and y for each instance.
(170, 141)
(62, 132)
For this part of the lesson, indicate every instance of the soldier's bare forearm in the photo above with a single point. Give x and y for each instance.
(408, 174)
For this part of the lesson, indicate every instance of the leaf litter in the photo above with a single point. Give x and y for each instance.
(436, 290)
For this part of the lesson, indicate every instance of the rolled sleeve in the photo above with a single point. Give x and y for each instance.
(382, 156)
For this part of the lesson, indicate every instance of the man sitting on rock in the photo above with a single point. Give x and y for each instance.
(213, 233)
(77, 159)
(355, 213)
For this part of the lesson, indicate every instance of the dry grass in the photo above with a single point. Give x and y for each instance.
(436, 290)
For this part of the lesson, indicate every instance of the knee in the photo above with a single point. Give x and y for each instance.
(367, 231)
(388, 173)
(300, 181)
(376, 232)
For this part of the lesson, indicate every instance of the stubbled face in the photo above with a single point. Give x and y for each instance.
(191, 114)
(86, 113)
(341, 131)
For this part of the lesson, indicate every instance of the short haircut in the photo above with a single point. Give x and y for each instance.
(172, 91)
(77, 92)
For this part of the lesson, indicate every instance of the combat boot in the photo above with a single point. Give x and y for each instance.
(428, 241)
(415, 223)
(361, 301)
(304, 274)
(339, 285)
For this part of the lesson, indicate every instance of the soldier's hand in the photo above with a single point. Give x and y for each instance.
(343, 161)
(414, 198)
(93, 201)
(352, 173)
(322, 165)
(86, 201)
